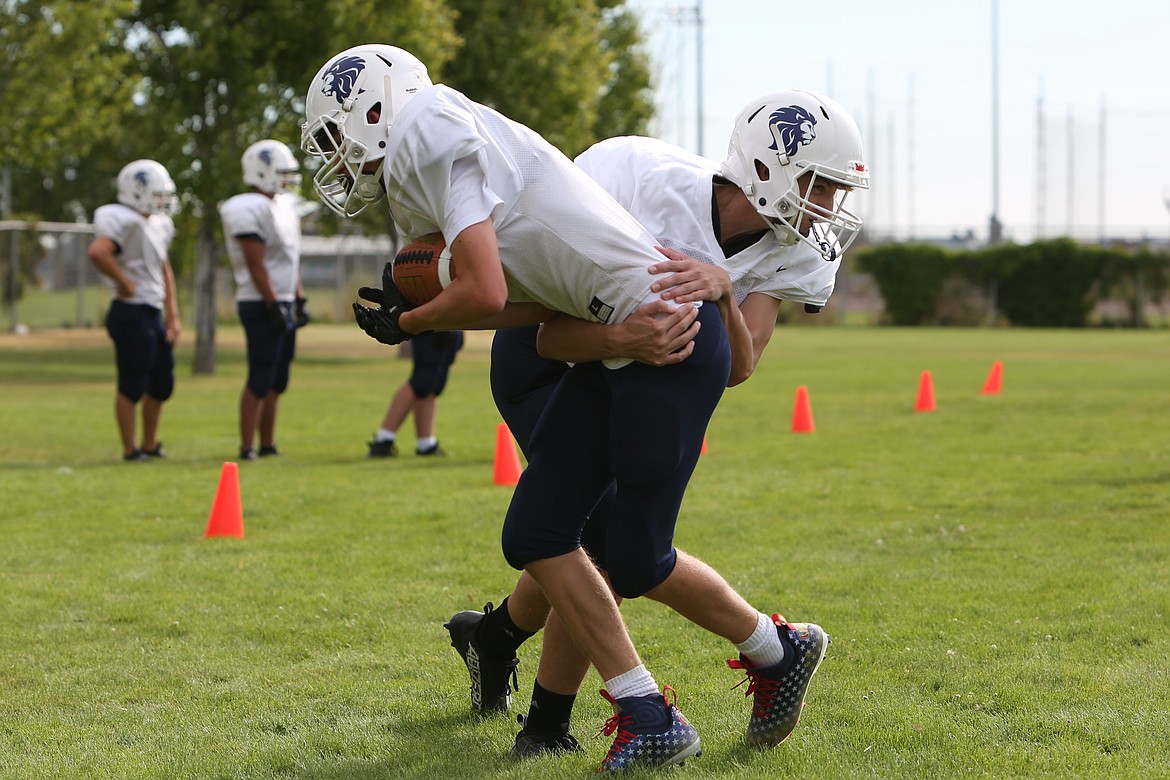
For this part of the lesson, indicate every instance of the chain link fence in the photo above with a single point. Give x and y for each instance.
(48, 280)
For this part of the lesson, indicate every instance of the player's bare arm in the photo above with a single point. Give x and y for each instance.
(253, 249)
(759, 313)
(479, 292)
(690, 280)
(657, 334)
(103, 253)
(171, 305)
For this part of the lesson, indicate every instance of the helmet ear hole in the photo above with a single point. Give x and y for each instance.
(374, 114)
(762, 171)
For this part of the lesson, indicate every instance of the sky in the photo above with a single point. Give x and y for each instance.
(917, 77)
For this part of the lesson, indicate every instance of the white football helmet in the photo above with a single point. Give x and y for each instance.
(146, 187)
(779, 138)
(271, 167)
(338, 130)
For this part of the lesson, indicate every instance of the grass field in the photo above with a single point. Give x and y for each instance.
(994, 573)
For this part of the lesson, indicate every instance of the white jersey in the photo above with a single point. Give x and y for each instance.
(142, 242)
(564, 242)
(276, 223)
(668, 190)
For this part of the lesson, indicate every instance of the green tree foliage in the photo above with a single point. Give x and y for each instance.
(191, 83)
(217, 76)
(63, 77)
(64, 73)
(570, 69)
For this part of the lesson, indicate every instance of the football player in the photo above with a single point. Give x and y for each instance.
(771, 225)
(263, 233)
(531, 234)
(130, 251)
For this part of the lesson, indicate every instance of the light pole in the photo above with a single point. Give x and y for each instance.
(995, 227)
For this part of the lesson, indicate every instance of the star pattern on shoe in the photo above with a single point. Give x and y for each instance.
(778, 691)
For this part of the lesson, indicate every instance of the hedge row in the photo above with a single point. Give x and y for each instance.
(1046, 284)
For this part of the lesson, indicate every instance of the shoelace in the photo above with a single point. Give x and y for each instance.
(616, 721)
(620, 723)
(765, 689)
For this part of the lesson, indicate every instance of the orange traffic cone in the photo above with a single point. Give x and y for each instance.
(925, 401)
(227, 515)
(994, 381)
(703, 448)
(802, 417)
(507, 468)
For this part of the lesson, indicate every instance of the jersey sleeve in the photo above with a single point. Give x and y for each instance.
(244, 217)
(803, 276)
(110, 221)
(439, 132)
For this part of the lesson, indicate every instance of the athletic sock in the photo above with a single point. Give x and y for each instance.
(501, 637)
(384, 435)
(636, 682)
(426, 442)
(549, 712)
(763, 647)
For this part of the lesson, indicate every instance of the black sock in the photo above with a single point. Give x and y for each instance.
(501, 638)
(549, 712)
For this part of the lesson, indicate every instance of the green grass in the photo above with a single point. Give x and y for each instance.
(994, 573)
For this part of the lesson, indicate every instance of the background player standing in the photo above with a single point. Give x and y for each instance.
(263, 233)
(130, 251)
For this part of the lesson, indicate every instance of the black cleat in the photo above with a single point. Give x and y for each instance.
(383, 449)
(492, 680)
(531, 744)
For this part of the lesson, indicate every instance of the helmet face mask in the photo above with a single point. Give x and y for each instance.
(796, 155)
(349, 110)
(146, 187)
(270, 166)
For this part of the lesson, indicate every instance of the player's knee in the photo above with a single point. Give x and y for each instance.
(132, 387)
(259, 384)
(162, 389)
(424, 386)
(635, 572)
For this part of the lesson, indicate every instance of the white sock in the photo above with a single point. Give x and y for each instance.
(636, 682)
(426, 442)
(385, 435)
(763, 647)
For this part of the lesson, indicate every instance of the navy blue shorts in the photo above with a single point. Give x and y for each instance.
(146, 361)
(269, 353)
(640, 427)
(433, 354)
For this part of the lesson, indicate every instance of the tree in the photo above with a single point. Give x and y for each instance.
(62, 75)
(569, 69)
(218, 75)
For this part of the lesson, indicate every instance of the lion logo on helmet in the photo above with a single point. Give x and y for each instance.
(793, 127)
(341, 77)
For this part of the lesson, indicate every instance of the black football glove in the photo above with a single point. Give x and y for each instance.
(301, 313)
(381, 324)
(277, 320)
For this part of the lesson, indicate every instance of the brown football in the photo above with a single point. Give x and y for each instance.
(423, 267)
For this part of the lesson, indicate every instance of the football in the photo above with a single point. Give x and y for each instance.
(423, 267)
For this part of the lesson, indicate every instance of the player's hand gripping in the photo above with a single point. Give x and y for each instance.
(381, 324)
(689, 279)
